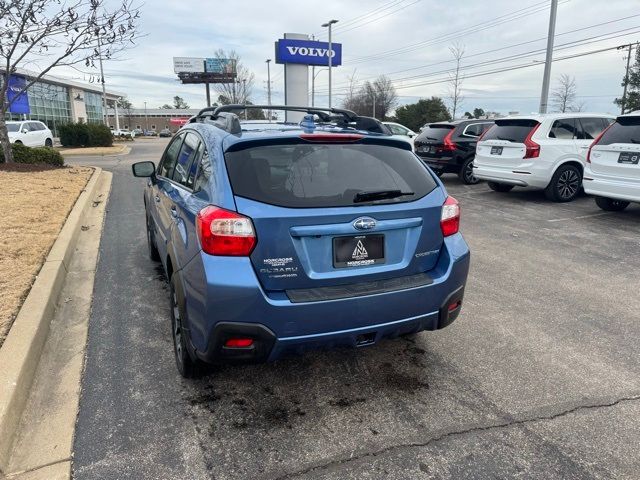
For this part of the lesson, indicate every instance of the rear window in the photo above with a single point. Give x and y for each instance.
(323, 175)
(515, 131)
(625, 130)
(436, 133)
(12, 127)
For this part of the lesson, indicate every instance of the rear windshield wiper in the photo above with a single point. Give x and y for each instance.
(507, 139)
(379, 195)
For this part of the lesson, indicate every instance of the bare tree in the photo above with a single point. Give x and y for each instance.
(455, 79)
(375, 99)
(564, 95)
(127, 108)
(240, 90)
(349, 101)
(52, 33)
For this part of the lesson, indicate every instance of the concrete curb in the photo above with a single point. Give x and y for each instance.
(121, 148)
(21, 350)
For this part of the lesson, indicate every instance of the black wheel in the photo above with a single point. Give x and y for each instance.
(466, 173)
(151, 242)
(18, 141)
(565, 184)
(500, 187)
(611, 205)
(185, 364)
(48, 143)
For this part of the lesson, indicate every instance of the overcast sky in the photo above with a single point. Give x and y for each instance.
(377, 30)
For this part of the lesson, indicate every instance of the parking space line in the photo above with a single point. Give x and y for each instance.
(580, 217)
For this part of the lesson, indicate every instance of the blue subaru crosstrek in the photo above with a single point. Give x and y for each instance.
(281, 237)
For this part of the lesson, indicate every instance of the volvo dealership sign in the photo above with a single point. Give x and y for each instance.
(308, 52)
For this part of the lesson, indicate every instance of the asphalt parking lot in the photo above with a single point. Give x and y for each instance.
(538, 378)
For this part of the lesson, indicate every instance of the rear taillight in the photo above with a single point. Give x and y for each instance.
(450, 217)
(449, 145)
(595, 142)
(225, 233)
(532, 148)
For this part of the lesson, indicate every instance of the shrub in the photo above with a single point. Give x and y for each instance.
(22, 154)
(85, 135)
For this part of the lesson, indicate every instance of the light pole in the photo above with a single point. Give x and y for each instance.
(268, 62)
(328, 24)
(146, 119)
(313, 84)
(104, 90)
(544, 97)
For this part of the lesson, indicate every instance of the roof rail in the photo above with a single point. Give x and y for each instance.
(323, 113)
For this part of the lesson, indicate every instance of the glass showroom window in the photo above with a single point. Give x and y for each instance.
(93, 104)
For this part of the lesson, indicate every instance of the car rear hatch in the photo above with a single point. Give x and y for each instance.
(617, 152)
(318, 220)
(430, 143)
(505, 144)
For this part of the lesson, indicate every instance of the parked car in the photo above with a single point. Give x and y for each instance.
(122, 133)
(612, 171)
(138, 131)
(165, 132)
(401, 132)
(150, 133)
(30, 133)
(542, 151)
(280, 240)
(449, 147)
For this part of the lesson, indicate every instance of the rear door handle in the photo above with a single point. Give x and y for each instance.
(157, 198)
(174, 212)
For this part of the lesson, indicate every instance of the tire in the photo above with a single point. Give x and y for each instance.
(466, 173)
(611, 205)
(18, 141)
(500, 187)
(565, 184)
(187, 367)
(48, 143)
(151, 242)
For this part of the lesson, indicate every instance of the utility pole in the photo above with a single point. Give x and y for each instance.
(313, 79)
(544, 97)
(146, 119)
(268, 61)
(328, 24)
(626, 78)
(104, 90)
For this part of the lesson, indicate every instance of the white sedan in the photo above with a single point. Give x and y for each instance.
(400, 131)
(30, 133)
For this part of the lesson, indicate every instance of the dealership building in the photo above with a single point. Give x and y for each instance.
(56, 100)
(155, 119)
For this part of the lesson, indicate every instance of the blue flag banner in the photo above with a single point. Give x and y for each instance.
(20, 102)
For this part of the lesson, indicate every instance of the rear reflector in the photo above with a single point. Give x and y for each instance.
(225, 233)
(455, 305)
(450, 217)
(238, 342)
(331, 137)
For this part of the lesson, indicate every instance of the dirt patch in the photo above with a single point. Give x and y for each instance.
(35, 202)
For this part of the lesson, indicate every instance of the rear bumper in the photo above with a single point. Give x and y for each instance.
(230, 294)
(611, 187)
(445, 164)
(523, 175)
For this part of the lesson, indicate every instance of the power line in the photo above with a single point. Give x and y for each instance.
(358, 18)
(379, 18)
(509, 17)
(560, 47)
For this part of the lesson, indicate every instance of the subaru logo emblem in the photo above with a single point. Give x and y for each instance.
(364, 223)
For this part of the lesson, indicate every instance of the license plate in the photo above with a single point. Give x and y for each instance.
(496, 150)
(358, 251)
(630, 158)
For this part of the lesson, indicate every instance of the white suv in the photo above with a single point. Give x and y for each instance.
(613, 165)
(30, 133)
(542, 151)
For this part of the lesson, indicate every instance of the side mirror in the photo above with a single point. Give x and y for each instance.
(144, 169)
(411, 134)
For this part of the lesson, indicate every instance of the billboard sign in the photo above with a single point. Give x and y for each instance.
(308, 52)
(20, 102)
(188, 65)
(223, 66)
